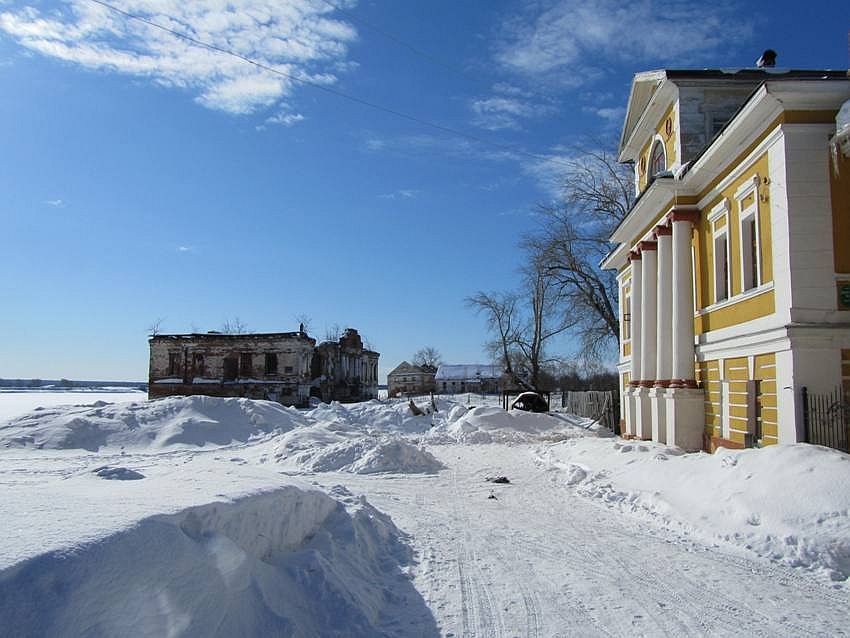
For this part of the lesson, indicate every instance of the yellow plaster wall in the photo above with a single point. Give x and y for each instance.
(840, 194)
(708, 375)
(753, 307)
(736, 372)
(764, 370)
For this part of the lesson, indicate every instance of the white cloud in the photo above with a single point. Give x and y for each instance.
(56, 203)
(297, 37)
(285, 118)
(613, 115)
(185, 249)
(508, 107)
(404, 193)
(570, 40)
(497, 113)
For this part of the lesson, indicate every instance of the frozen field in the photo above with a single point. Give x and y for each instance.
(14, 403)
(217, 517)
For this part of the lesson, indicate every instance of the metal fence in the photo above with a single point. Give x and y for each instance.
(826, 419)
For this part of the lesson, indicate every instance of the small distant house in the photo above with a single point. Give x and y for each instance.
(474, 377)
(287, 367)
(407, 378)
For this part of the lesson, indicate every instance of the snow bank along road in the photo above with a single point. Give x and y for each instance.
(218, 517)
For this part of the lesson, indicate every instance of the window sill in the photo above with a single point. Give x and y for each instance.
(731, 301)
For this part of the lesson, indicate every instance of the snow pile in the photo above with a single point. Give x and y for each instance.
(371, 416)
(287, 562)
(789, 503)
(318, 450)
(488, 424)
(173, 421)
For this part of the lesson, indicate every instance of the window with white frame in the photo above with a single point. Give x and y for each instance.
(627, 313)
(657, 160)
(747, 197)
(719, 219)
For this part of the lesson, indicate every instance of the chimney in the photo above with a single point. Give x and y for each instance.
(768, 58)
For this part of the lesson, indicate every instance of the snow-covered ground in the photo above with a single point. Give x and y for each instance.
(216, 517)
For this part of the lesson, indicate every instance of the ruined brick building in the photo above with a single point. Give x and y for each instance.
(287, 367)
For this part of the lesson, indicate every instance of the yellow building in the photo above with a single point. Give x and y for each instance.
(734, 262)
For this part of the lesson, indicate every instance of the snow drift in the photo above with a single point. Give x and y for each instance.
(317, 449)
(173, 421)
(789, 503)
(488, 424)
(290, 562)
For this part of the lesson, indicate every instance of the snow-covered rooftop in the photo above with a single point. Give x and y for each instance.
(468, 372)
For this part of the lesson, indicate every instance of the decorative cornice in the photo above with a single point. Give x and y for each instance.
(634, 255)
(647, 245)
(662, 231)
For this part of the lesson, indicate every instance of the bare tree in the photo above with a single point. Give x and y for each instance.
(333, 332)
(573, 239)
(234, 326)
(305, 322)
(544, 318)
(427, 357)
(501, 313)
(155, 327)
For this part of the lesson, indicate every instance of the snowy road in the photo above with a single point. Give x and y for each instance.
(540, 561)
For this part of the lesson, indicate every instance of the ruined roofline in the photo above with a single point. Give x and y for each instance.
(223, 335)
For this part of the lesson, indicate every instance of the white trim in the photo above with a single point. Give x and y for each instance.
(743, 166)
(656, 140)
(747, 187)
(723, 208)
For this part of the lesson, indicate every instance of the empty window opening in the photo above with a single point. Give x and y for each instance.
(198, 365)
(245, 364)
(271, 363)
(231, 368)
(173, 364)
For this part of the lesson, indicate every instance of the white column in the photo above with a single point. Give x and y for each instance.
(663, 329)
(683, 300)
(635, 372)
(634, 365)
(685, 425)
(649, 291)
(664, 323)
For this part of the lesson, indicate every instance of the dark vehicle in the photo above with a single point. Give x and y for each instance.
(530, 402)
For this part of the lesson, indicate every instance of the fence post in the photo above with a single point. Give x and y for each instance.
(804, 394)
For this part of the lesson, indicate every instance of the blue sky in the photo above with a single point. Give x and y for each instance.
(142, 177)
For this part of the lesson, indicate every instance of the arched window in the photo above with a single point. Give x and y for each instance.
(657, 161)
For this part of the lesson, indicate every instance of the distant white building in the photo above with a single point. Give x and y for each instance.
(475, 377)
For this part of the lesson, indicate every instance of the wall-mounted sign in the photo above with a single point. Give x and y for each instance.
(843, 295)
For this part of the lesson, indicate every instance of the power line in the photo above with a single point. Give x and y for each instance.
(417, 51)
(327, 89)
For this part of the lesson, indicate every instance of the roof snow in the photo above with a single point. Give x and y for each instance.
(468, 372)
